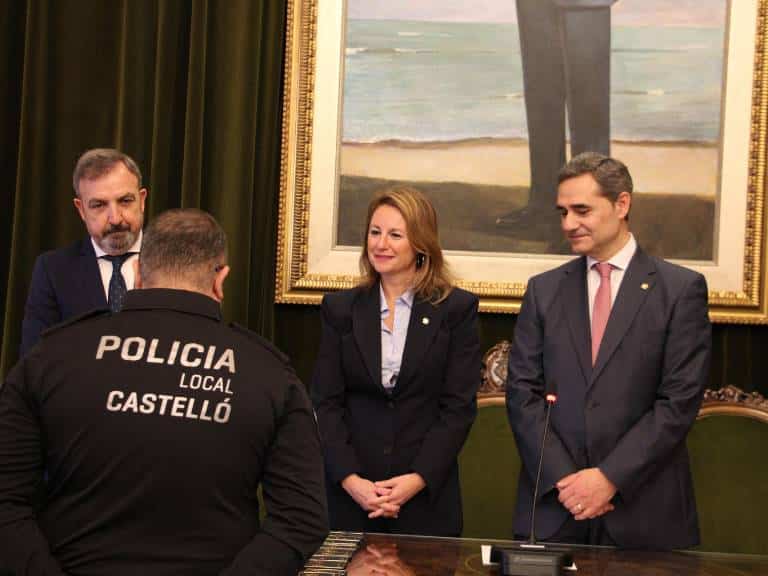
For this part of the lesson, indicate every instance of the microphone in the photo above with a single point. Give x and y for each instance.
(551, 399)
(531, 558)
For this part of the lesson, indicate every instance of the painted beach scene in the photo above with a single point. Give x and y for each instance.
(443, 96)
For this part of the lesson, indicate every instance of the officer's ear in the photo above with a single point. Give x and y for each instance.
(137, 283)
(218, 282)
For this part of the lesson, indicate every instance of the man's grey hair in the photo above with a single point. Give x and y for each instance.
(97, 162)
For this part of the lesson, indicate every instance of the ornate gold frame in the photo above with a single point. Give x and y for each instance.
(732, 401)
(298, 283)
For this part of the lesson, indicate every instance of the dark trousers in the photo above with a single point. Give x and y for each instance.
(566, 65)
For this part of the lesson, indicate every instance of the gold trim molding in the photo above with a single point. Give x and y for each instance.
(733, 401)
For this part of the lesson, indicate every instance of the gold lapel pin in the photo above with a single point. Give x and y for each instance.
(425, 320)
(644, 285)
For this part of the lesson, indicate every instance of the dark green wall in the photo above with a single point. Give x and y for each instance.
(739, 353)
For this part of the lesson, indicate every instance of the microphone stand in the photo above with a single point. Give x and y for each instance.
(532, 558)
(551, 399)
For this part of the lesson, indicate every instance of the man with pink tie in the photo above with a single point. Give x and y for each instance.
(624, 339)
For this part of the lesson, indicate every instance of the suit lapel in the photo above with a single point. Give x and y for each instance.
(638, 281)
(576, 308)
(422, 328)
(91, 286)
(366, 327)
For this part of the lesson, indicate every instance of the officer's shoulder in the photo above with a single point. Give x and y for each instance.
(261, 341)
(81, 318)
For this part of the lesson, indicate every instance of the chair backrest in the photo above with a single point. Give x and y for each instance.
(489, 466)
(727, 446)
(489, 463)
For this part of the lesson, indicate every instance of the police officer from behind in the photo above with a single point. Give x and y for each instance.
(155, 427)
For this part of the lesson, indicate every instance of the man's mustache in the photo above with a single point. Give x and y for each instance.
(117, 229)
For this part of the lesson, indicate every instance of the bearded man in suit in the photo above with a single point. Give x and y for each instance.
(96, 271)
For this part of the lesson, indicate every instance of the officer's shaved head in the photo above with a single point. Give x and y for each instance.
(182, 246)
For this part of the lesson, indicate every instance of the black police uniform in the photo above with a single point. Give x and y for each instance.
(155, 427)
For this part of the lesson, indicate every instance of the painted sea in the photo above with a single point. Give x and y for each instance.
(427, 81)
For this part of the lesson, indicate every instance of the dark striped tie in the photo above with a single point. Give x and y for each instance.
(117, 287)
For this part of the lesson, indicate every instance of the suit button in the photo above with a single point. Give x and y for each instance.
(595, 404)
(387, 450)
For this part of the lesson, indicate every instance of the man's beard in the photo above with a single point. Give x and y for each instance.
(118, 239)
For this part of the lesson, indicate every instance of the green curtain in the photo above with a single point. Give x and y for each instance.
(190, 88)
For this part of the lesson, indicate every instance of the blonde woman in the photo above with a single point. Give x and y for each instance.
(395, 381)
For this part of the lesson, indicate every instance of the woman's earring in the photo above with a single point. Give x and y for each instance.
(420, 260)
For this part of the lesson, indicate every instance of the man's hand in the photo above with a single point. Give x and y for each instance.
(586, 493)
(381, 560)
(400, 489)
(369, 497)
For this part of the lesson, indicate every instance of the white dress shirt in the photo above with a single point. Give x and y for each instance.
(393, 341)
(105, 266)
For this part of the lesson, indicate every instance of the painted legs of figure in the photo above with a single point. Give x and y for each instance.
(566, 66)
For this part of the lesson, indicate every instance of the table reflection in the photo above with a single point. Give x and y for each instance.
(392, 555)
(380, 559)
(381, 556)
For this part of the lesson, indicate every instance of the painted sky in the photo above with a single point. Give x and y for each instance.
(625, 12)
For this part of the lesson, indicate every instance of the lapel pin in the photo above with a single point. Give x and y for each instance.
(425, 321)
(644, 285)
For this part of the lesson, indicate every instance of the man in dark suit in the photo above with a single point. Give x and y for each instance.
(94, 272)
(623, 338)
(565, 47)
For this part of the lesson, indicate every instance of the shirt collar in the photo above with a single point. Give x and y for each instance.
(172, 299)
(621, 259)
(406, 298)
(135, 248)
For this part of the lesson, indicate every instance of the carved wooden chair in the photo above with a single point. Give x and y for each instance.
(489, 463)
(727, 447)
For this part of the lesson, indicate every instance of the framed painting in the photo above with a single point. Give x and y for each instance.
(441, 97)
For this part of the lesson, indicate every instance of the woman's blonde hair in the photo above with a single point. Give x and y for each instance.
(433, 281)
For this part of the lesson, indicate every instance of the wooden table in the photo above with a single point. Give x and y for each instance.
(416, 555)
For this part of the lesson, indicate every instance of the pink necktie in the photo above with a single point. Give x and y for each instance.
(602, 307)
